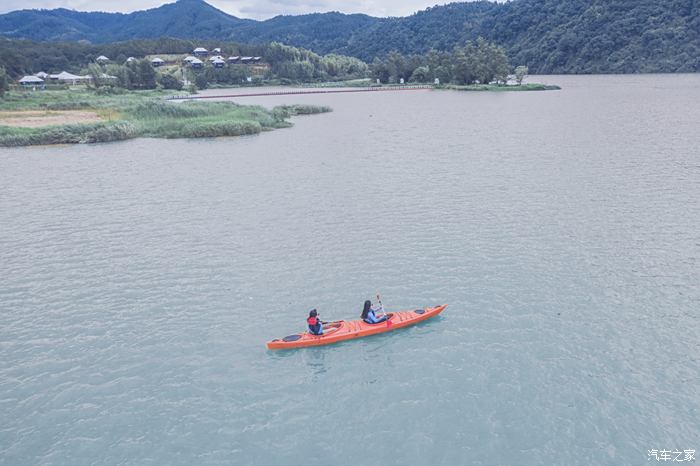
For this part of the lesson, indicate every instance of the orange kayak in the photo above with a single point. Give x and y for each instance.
(342, 330)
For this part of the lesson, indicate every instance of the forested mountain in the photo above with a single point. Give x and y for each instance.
(183, 19)
(550, 36)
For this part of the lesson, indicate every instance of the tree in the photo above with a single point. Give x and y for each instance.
(140, 74)
(200, 80)
(4, 82)
(146, 74)
(421, 74)
(97, 74)
(520, 73)
(379, 70)
(168, 81)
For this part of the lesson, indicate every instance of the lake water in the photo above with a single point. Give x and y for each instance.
(139, 282)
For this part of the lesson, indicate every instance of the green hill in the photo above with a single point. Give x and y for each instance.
(550, 36)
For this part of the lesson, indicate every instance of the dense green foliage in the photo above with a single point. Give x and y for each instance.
(478, 61)
(548, 36)
(4, 82)
(139, 114)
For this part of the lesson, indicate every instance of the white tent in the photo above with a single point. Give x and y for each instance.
(70, 78)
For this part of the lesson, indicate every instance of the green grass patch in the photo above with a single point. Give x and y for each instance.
(142, 114)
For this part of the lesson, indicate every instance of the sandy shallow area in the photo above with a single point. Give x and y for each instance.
(39, 118)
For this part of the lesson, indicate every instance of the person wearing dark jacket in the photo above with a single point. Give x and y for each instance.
(315, 324)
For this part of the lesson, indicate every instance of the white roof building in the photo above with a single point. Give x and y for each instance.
(196, 62)
(188, 59)
(30, 80)
(66, 77)
(216, 57)
(101, 59)
(41, 75)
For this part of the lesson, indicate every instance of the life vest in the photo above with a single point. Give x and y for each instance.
(312, 321)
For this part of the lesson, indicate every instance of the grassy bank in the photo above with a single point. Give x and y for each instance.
(140, 114)
(500, 88)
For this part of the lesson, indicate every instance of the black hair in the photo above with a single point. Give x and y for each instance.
(313, 313)
(365, 310)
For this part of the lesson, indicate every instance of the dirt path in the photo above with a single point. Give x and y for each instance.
(39, 118)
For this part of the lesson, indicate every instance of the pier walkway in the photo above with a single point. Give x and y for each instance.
(301, 91)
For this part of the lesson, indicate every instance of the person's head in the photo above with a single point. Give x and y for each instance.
(365, 310)
(313, 313)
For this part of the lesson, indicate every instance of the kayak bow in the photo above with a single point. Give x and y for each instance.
(348, 330)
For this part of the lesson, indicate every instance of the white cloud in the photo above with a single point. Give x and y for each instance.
(254, 9)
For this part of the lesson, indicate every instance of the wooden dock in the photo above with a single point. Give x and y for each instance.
(302, 91)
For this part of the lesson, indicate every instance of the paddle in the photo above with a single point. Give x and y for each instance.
(388, 322)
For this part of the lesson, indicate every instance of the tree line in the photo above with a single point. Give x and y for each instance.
(479, 61)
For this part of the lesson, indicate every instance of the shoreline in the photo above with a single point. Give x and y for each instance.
(131, 115)
(83, 116)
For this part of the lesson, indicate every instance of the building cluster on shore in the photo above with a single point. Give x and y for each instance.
(216, 59)
(41, 79)
(193, 61)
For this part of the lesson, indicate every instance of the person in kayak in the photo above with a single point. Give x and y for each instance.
(369, 314)
(315, 324)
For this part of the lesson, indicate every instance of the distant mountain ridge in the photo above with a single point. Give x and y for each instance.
(550, 36)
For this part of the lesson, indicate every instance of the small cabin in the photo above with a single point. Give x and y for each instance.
(256, 59)
(101, 59)
(42, 75)
(156, 62)
(200, 52)
(197, 64)
(234, 59)
(130, 59)
(246, 59)
(30, 81)
(218, 63)
(216, 50)
(215, 57)
(188, 59)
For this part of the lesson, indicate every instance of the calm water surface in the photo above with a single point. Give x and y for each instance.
(139, 282)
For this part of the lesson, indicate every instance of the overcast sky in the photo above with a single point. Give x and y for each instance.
(254, 9)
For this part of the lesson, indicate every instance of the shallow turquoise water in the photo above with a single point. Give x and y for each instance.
(141, 280)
